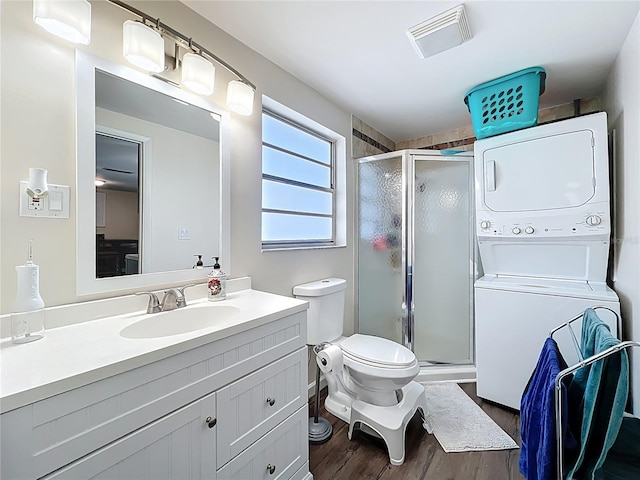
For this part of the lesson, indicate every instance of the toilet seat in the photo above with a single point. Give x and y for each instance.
(377, 352)
(378, 358)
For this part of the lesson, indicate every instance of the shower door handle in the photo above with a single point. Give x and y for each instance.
(408, 328)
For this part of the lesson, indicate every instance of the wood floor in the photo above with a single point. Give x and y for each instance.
(365, 457)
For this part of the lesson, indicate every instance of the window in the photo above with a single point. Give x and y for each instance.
(298, 184)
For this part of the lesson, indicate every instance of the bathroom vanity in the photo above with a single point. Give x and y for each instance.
(227, 401)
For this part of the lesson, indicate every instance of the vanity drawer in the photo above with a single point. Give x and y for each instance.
(282, 451)
(46, 435)
(177, 446)
(252, 406)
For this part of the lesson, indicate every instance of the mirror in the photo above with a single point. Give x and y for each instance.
(160, 155)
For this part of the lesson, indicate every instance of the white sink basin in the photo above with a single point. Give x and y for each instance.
(179, 321)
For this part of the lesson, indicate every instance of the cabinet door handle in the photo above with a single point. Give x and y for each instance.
(271, 401)
(271, 469)
(211, 422)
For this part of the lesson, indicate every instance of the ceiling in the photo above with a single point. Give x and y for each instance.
(357, 53)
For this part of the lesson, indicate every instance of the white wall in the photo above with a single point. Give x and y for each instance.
(622, 103)
(121, 215)
(37, 82)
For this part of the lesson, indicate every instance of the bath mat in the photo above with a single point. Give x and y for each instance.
(459, 424)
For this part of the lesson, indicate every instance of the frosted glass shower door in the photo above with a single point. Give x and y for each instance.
(381, 279)
(442, 260)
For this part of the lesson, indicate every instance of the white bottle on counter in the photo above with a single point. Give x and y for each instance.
(27, 316)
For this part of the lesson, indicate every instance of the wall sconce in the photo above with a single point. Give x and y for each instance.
(142, 46)
(37, 185)
(68, 19)
(198, 72)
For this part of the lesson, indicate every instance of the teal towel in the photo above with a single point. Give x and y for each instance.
(597, 397)
(623, 460)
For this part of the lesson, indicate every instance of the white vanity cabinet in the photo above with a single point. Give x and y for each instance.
(232, 408)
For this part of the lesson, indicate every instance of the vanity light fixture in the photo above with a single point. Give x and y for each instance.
(68, 19)
(37, 186)
(143, 46)
(198, 71)
(198, 74)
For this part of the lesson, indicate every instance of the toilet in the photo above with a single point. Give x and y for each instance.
(370, 379)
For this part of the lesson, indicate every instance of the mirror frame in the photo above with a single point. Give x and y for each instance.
(86, 281)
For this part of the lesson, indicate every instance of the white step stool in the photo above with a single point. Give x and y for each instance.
(391, 422)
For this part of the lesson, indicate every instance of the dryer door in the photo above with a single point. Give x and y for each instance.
(552, 172)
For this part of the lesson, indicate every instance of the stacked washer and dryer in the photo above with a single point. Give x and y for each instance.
(543, 227)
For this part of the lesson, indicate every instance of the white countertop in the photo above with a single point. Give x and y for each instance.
(75, 355)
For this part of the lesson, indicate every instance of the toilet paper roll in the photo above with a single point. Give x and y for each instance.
(330, 358)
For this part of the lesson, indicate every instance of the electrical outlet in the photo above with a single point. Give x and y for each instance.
(55, 205)
(35, 204)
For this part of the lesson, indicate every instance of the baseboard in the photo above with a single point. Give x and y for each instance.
(311, 390)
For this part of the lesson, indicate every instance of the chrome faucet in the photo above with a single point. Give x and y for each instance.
(154, 304)
(173, 298)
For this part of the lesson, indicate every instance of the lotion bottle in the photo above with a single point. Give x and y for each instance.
(27, 316)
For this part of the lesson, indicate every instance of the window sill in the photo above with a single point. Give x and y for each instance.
(302, 247)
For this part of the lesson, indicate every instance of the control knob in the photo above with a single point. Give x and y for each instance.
(593, 220)
(516, 230)
(529, 230)
(484, 224)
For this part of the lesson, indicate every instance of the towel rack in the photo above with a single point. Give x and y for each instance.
(567, 371)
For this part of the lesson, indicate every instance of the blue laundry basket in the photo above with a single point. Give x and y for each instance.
(507, 103)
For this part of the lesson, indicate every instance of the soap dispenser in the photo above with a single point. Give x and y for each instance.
(217, 284)
(199, 265)
(27, 316)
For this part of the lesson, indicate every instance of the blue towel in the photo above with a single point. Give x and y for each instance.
(597, 397)
(538, 416)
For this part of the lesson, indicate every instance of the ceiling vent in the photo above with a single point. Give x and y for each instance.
(441, 32)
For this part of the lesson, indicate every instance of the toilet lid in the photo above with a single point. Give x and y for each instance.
(377, 350)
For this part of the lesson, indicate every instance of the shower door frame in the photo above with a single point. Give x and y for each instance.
(409, 157)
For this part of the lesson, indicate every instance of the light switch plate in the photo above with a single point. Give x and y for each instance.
(54, 205)
(184, 233)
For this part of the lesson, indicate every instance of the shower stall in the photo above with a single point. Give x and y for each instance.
(416, 254)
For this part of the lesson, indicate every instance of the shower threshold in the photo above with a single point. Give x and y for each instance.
(438, 372)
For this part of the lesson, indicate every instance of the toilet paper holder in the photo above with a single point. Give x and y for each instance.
(318, 348)
(320, 429)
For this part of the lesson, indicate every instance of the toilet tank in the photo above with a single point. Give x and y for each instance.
(325, 317)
